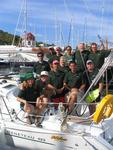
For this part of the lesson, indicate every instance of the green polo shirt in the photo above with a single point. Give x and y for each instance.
(73, 80)
(80, 59)
(98, 57)
(49, 55)
(88, 78)
(41, 86)
(56, 79)
(30, 94)
(41, 66)
(54, 57)
(68, 58)
(64, 69)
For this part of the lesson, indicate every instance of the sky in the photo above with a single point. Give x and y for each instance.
(62, 22)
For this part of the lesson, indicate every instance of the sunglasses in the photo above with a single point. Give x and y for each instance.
(55, 63)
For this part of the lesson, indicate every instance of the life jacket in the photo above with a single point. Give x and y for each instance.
(92, 96)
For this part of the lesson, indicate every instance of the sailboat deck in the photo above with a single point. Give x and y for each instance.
(79, 120)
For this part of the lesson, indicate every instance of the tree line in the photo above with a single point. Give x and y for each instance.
(7, 38)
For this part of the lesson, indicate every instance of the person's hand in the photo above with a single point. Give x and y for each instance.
(59, 91)
(65, 85)
(54, 91)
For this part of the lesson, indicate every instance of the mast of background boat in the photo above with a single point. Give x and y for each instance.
(101, 42)
(60, 31)
(72, 35)
(101, 28)
(23, 7)
(18, 22)
(11, 64)
(61, 36)
(102, 46)
(85, 30)
(70, 30)
(106, 43)
(68, 16)
(45, 31)
(25, 13)
(57, 30)
(102, 14)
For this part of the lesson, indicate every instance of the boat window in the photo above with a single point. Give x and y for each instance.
(9, 86)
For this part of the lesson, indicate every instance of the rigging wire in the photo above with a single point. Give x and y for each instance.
(61, 36)
(84, 30)
(70, 31)
(87, 7)
(70, 17)
(18, 22)
(102, 16)
(67, 10)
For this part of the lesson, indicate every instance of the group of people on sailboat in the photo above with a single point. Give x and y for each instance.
(61, 78)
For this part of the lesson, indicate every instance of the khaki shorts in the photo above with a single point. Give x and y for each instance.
(33, 109)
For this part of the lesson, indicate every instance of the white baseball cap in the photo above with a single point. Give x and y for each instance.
(89, 61)
(44, 73)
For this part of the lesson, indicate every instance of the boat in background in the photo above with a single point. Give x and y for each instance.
(25, 54)
(26, 49)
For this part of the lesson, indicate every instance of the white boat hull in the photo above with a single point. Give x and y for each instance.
(80, 134)
(32, 138)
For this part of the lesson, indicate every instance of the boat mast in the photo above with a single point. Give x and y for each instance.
(56, 29)
(45, 27)
(106, 43)
(18, 22)
(72, 35)
(69, 36)
(102, 15)
(85, 31)
(25, 14)
(101, 43)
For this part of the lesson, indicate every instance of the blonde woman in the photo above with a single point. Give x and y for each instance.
(28, 93)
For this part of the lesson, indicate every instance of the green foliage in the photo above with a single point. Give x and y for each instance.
(7, 38)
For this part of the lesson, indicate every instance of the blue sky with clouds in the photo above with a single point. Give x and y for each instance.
(59, 21)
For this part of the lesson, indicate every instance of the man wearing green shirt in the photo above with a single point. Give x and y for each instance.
(88, 77)
(72, 82)
(62, 65)
(56, 56)
(97, 56)
(41, 86)
(55, 86)
(56, 78)
(41, 64)
(28, 94)
(80, 57)
(68, 54)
